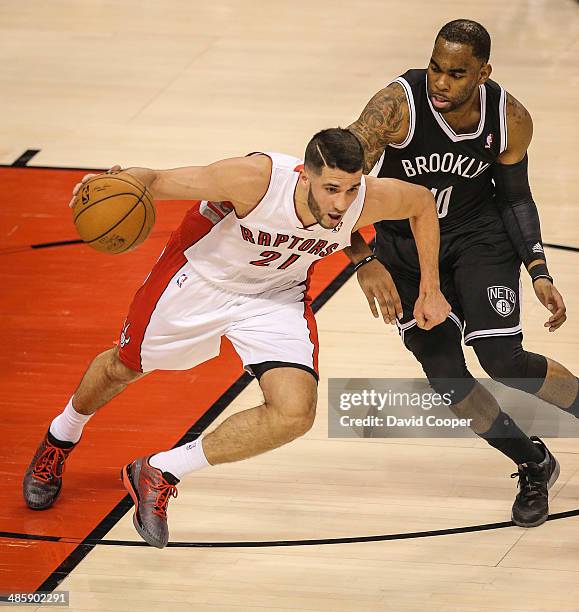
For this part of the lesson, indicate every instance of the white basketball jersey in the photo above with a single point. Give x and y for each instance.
(269, 249)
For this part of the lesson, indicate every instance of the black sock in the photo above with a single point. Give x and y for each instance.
(505, 436)
(574, 407)
(59, 443)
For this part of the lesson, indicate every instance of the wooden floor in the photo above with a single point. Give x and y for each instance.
(172, 83)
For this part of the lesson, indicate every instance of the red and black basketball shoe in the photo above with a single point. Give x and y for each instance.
(43, 478)
(151, 490)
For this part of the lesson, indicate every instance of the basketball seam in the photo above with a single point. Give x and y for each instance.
(75, 219)
(151, 203)
(140, 231)
(139, 186)
(139, 201)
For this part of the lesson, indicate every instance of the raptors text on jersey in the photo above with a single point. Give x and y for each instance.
(268, 249)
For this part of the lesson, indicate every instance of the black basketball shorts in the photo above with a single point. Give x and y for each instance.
(479, 276)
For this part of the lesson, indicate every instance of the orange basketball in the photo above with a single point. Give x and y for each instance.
(113, 213)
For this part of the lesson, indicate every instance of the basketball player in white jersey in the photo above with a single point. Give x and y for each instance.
(238, 266)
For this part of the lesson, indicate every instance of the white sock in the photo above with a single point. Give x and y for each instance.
(181, 460)
(67, 426)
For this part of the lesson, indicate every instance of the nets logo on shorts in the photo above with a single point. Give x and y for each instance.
(502, 299)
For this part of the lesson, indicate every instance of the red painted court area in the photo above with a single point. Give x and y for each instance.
(59, 307)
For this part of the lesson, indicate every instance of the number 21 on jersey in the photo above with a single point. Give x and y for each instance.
(442, 200)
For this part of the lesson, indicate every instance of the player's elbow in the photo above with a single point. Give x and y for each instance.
(424, 203)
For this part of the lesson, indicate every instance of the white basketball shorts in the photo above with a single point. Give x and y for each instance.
(177, 319)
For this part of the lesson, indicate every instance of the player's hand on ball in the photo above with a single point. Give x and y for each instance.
(114, 170)
(113, 212)
(431, 309)
(552, 301)
(378, 286)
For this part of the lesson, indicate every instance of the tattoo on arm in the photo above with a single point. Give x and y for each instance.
(520, 131)
(516, 111)
(384, 120)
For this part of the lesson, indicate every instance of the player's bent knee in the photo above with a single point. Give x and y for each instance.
(117, 372)
(505, 360)
(439, 352)
(295, 416)
(299, 424)
(291, 396)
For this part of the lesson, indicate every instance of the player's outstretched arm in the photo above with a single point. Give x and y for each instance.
(242, 181)
(393, 199)
(519, 211)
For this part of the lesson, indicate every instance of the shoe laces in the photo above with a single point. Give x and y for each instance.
(164, 493)
(50, 464)
(529, 486)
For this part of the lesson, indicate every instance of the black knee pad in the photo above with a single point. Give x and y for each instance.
(504, 359)
(439, 352)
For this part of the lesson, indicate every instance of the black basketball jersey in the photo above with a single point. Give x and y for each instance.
(455, 167)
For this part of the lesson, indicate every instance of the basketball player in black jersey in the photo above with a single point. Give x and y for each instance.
(455, 131)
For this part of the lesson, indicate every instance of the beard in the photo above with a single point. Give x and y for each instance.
(316, 211)
(456, 102)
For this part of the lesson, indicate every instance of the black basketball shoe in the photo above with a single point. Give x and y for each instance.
(531, 507)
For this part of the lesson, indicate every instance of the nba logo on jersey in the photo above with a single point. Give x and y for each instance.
(181, 280)
(489, 142)
(502, 299)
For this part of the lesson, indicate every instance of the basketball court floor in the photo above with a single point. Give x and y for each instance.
(321, 524)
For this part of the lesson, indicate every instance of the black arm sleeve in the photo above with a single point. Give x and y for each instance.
(518, 210)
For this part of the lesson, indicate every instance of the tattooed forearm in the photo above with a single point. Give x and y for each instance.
(384, 120)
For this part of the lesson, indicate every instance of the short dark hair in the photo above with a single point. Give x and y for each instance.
(468, 32)
(335, 148)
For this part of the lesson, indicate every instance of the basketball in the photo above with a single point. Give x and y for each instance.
(113, 213)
